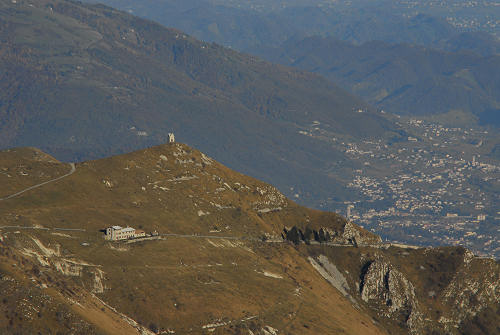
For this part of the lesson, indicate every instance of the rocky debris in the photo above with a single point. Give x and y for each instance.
(330, 272)
(224, 243)
(219, 206)
(268, 330)
(183, 178)
(216, 324)
(98, 278)
(270, 274)
(201, 213)
(67, 268)
(381, 283)
(180, 151)
(108, 183)
(269, 210)
(53, 257)
(270, 198)
(207, 160)
(48, 252)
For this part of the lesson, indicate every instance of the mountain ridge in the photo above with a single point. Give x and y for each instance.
(220, 262)
(401, 78)
(420, 60)
(97, 82)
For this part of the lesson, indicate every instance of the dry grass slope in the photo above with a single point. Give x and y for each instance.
(233, 285)
(220, 264)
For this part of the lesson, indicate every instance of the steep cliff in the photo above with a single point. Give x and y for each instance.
(343, 232)
(391, 292)
(420, 290)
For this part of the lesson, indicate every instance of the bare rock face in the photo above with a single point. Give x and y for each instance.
(52, 257)
(421, 291)
(350, 235)
(471, 290)
(332, 275)
(381, 283)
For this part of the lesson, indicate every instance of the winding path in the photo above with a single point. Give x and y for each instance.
(73, 169)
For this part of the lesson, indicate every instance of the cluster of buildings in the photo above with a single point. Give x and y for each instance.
(435, 185)
(424, 180)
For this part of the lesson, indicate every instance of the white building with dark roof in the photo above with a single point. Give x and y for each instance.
(115, 233)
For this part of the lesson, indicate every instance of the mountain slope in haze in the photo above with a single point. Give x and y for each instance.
(399, 77)
(479, 42)
(402, 78)
(220, 263)
(245, 26)
(84, 81)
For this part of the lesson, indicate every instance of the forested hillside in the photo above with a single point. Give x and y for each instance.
(402, 78)
(83, 81)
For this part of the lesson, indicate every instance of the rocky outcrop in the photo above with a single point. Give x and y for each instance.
(475, 287)
(270, 200)
(308, 235)
(52, 257)
(350, 235)
(387, 287)
(355, 235)
(472, 290)
(445, 291)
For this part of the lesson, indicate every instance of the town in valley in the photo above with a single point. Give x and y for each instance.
(437, 185)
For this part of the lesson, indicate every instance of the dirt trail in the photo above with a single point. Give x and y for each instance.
(73, 169)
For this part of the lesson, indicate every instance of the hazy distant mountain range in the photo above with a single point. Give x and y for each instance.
(427, 65)
(402, 78)
(244, 24)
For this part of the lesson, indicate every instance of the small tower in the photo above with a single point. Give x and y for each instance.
(171, 138)
(349, 207)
